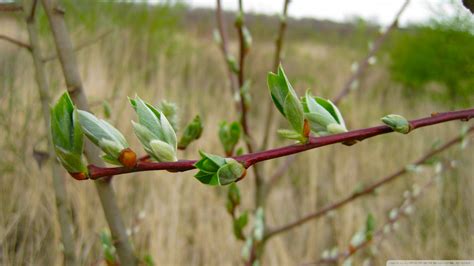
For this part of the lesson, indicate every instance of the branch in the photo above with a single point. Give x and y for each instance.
(276, 62)
(367, 191)
(250, 159)
(15, 42)
(378, 235)
(364, 63)
(10, 7)
(224, 47)
(81, 45)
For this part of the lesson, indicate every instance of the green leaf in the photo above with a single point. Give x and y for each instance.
(229, 135)
(170, 111)
(369, 226)
(278, 90)
(67, 135)
(191, 132)
(149, 117)
(289, 134)
(330, 107)
(98, 129)
(294, 112)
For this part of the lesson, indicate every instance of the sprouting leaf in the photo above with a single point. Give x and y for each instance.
(68, 138)
(279, 88)
(191, 132)
(369, 226)
(232, 63)
(233, 195)
(324, 117)
(153, 126)
(294, 112)
(170, 110)
(229, 135)
(289, 134)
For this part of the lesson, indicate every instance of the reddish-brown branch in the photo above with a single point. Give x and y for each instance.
(364, 63)
(15, 42)
(366, 191)
(314, 142)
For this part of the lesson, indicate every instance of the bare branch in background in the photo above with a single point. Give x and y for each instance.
(276, 63)
(363, 65)
(59, 186)
(16, 42)
(81, 45)
(73, 80)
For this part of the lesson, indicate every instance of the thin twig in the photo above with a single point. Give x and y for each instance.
(378, 235)
(224, 47)
(105, 191)
(81, 45)
(15, 42)
(367, 191)
(276, 63)
(250, 159)
(363, 65)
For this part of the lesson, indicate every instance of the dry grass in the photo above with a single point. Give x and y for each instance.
(181, 222)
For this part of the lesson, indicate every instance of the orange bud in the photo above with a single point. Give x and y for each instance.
(79, 176)
(306, 128)
(128, 158)
(352, 249)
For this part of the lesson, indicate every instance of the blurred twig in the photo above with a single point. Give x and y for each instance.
(106, 193)
(367, 191)
(365, 62)
(81, 45)
(64, 217)
(16, 42)
(276, 63)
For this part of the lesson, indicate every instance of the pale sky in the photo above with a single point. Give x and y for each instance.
(381, 11)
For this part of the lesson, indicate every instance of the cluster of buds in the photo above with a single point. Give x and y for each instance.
(154, 132)
(312, 114)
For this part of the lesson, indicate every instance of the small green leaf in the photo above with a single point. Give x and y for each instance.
(191, 132)
(294, 112)
(170, 111)
(289, 134)
(232, 63)
(247, 37)
(229, 135)
(68, 138)
(369, 226)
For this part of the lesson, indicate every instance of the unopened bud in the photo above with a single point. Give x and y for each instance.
(128, 158)
(397, 123)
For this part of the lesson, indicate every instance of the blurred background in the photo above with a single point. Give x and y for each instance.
(165, 50)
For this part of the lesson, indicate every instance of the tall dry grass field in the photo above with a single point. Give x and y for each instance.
(182, 222)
